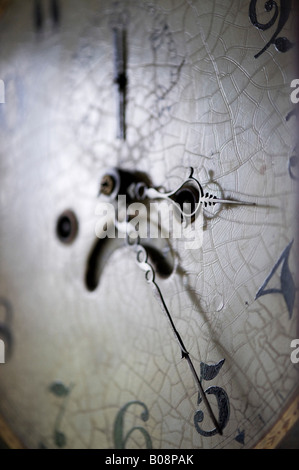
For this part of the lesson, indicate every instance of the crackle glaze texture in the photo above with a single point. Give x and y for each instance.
(101, 368)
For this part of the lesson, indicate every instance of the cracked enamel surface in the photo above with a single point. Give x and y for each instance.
(196, 97)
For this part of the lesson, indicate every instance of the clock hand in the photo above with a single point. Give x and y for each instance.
(120, 77)
(142, 260)
(141, 192)
(187, 198)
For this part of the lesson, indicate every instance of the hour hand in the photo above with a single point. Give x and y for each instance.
(187, 198)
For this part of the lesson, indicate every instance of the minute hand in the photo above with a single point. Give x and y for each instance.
(142, 260)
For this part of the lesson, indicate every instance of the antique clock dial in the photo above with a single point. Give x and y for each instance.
(164, 101)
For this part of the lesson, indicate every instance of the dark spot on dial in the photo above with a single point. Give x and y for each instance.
(67, 227)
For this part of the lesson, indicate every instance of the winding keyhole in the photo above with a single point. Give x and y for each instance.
(67, 227)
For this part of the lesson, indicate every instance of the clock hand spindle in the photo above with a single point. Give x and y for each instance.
(120, 77)
(142, 260)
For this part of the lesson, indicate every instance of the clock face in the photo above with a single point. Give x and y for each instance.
(153, 89)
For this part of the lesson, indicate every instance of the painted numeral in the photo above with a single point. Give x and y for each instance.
(280, 17)
(120, 439)
(209, 372)
(39, 14)
(287, 285)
